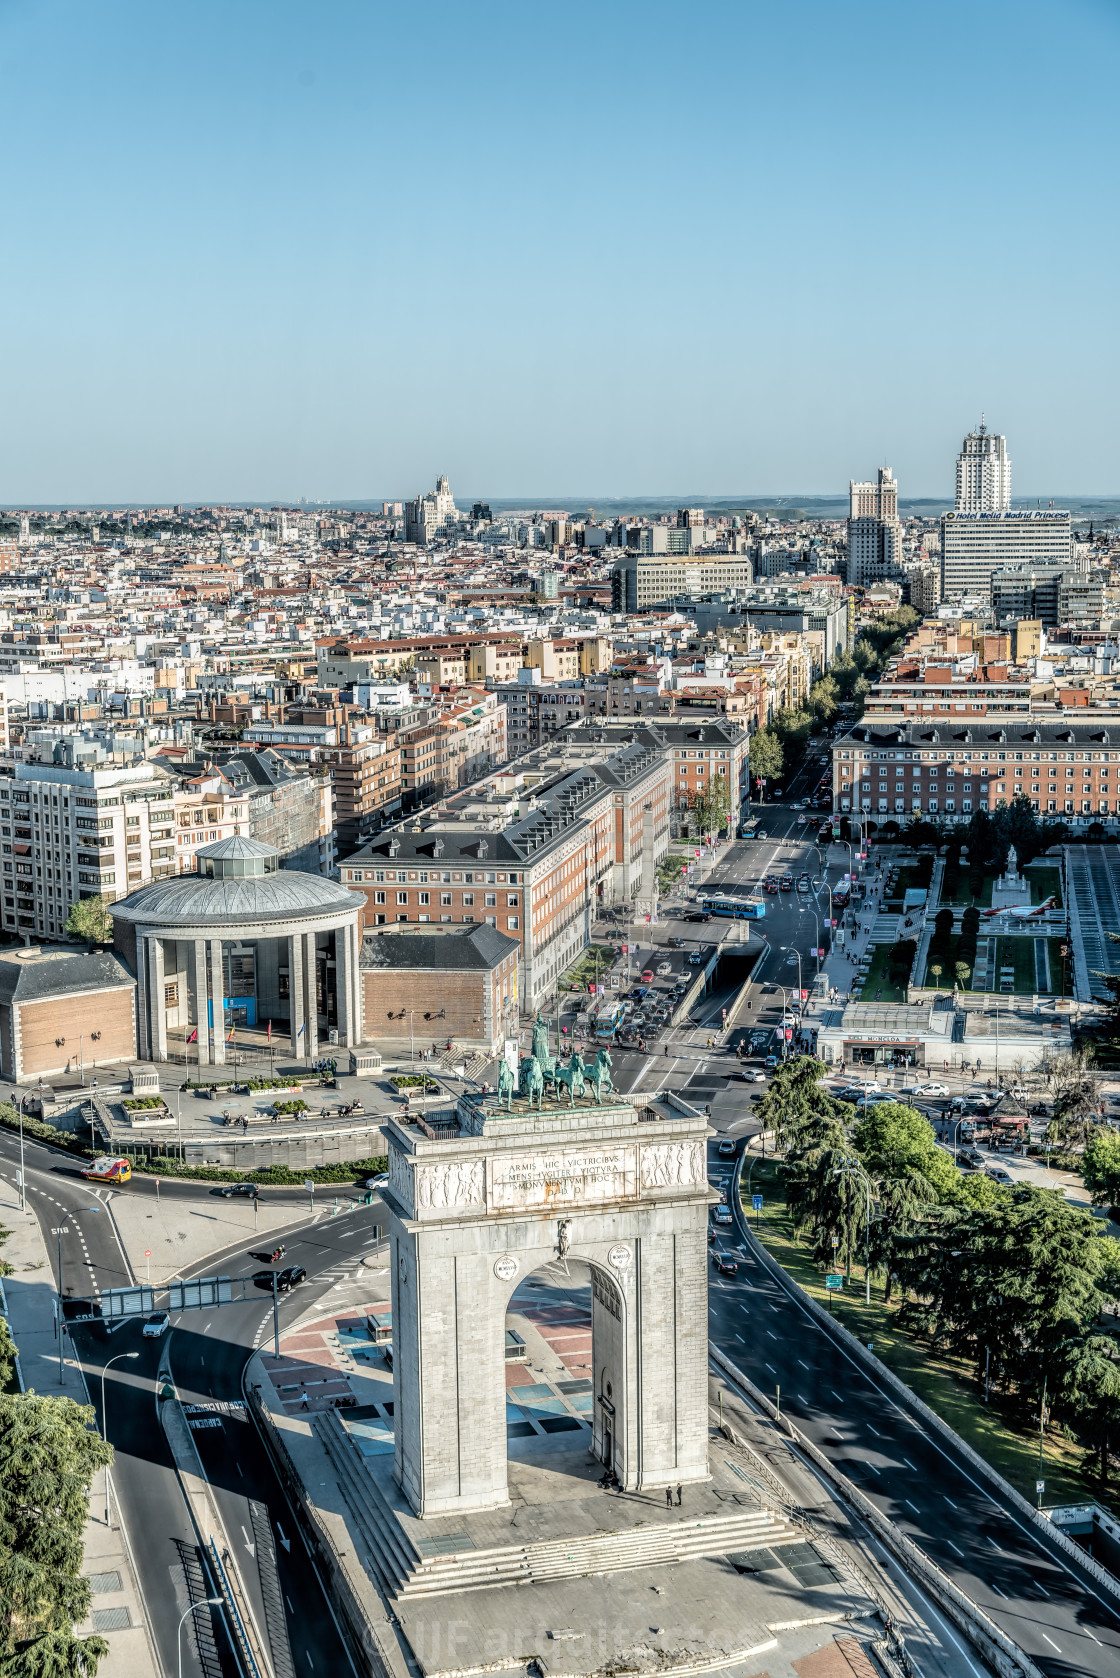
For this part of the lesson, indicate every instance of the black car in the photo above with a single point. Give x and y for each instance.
(725, 1265)
(696, 915)
(250, 1189)
(285, 1279)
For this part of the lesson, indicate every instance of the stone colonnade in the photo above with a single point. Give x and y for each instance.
(205, 976)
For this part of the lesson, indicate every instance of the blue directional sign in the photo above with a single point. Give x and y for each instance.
(756, 1202)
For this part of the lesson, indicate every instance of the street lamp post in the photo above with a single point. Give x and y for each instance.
(843, 1171)
(786, 949)
(104, 1420)
(22, 1171)
(207, 1602)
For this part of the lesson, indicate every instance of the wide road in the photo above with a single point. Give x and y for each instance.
(207, 1353)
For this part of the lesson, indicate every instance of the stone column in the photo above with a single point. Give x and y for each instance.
(201, 992)
(143, 999)
(342, 984)
(310, 976)
(295, 995)
(354, 945)
(217, 990)
(157, 1025)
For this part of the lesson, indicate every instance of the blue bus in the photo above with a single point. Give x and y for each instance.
(738, 908)
(608, 1017)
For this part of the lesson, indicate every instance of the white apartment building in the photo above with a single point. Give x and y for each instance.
(71, 833)
(973, 545)
(983, 473)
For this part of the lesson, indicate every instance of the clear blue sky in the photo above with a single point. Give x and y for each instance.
(606, 247)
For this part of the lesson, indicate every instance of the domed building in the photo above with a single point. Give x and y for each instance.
(241, 943)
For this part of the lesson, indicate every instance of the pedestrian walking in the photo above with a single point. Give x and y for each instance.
(303, 1400)
(678, 1497)
(668, 1497)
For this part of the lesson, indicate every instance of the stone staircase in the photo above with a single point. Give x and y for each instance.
(453, 1563)
(471, 1061)
(885, 929)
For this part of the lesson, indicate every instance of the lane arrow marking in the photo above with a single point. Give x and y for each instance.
(252, 1548)
(287, 1543)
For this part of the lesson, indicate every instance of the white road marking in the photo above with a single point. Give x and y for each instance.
(1052, 1644)
(912, 1506)
(803, 1365)
(910, 1465)
(949, 1501)
(953, 1547)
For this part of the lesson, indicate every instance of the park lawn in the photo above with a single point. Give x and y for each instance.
(1055, 947)
(1019, 954)
(948, 967)
(1044, 881)
(878, 978)
(962, 896)
(946, 1384)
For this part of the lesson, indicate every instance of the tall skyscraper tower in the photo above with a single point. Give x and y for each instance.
(983, 473)
(875, 501)
(874, 533)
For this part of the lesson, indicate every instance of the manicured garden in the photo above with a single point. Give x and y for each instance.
(888, 974)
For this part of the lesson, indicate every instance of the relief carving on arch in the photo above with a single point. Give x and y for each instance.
(672, 1165)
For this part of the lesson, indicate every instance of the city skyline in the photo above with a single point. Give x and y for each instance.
(256, 255)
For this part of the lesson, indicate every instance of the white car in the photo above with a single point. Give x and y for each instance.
(798, 804)
(932, 1089)
(379, 1182)
(155, 1325)
(801, 820)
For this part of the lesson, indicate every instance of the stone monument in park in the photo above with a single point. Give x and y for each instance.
(475, 1207)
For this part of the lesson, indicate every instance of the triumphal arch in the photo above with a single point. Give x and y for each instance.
(480, 1200)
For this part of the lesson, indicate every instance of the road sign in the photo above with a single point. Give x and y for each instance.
(789, 1034)
(804, 994)
(309, 1183)
(127, 1302)
(756, 1202)
(199, 1293)
(834, 1281)
(1039, 1487)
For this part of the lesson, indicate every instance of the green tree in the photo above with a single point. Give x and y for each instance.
(795, 1106)
(1075, 1113)
(824, 701)
(894, 1139)
(1017, 1282)
(963, 973)
(935, 972)
(793, 727)
(1089, 1392)
(89, 919)
(713, 806)
(1100, 1168)
(49, 1452)
(766, 756)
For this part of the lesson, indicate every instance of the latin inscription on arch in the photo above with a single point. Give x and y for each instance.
(581, 1177)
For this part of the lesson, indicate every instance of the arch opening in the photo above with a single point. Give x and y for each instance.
(565, 1372)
